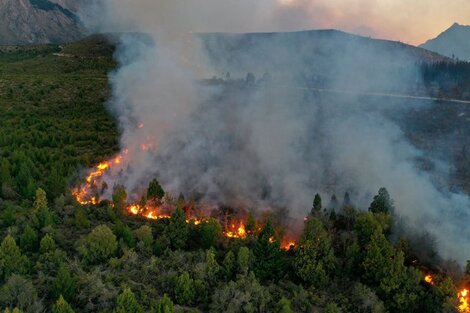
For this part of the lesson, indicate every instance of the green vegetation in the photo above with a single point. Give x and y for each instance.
(59, 256)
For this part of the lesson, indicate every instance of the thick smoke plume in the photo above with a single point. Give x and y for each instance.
(271, 143)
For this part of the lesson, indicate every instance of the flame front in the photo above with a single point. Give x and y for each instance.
(85, 194)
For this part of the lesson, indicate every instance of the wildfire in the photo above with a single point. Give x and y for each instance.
(235, 232)
(463, 296)
(464, 301)
(288, 245)
(84, 194)
(428, 278)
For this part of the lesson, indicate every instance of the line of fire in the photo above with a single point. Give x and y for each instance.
(236, 225)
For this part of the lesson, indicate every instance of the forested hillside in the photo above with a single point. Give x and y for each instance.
(57, 255)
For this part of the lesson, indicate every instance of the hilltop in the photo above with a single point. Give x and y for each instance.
(453, 42)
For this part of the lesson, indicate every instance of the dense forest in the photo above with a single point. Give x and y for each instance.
(57, 255)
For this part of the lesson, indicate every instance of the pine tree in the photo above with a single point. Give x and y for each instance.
(29, 239)
(127, 303)
(376, 263)
(64, 284)
(334, 203)
(209, 233)
(178, 230)
(347, 200)
(119, 198)
(184, 289)
(40, 201)
(316, 208)
(11, 259)
(62, 306)
(47, 244)
(382, 202)
(155, 191)
(315, 260)
(229, 265)
(164, 305)
(55, 183)
(243, 260)
(5, 173)
(270, 263)
(284, 306)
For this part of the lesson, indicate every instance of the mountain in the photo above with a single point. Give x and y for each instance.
(37, 21)
(454, 42)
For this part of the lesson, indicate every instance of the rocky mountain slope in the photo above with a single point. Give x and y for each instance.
(454, 42)
(37, 21)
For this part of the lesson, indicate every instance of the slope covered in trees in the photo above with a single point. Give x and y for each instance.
(59, 256)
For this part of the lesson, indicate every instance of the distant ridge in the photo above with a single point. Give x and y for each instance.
(454, 42)
(322, 58)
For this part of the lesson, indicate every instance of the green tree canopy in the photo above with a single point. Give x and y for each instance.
(270, 262)
(178, 230)
(62, 306)
(11, 259)
(155, 191)
(29, 239)
(210, 232)
(382, 202)
(127, 303)
(316, 208)
(40, 201)
(119, 198)
(64, 284)
(184, 289)
(99, 245)
(163, 305)
(47, 244)
(315, 260)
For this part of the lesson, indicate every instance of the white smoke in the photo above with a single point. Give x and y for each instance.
(274, 146)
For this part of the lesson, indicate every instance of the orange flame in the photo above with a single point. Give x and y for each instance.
(235, 232)
(464, 301)
(288, 245)
(428, 278)
(84, 194)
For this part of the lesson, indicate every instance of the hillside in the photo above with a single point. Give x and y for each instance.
(454, 42)
(37, 21)
(57, 253)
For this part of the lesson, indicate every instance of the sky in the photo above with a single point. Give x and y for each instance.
(409, 21)
(412, 21)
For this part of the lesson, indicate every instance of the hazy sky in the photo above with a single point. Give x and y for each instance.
(412, 21)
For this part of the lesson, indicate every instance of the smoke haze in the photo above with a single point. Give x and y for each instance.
(270, 145)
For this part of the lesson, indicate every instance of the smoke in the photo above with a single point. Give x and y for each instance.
(275, 142)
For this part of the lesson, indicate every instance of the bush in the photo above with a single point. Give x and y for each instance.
(99, 245)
